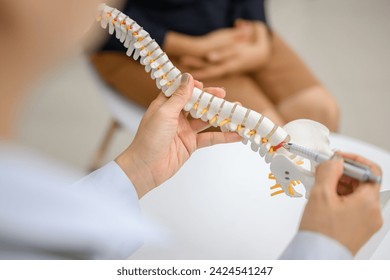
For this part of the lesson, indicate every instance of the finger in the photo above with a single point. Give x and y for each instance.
(198, 84)
(222, 54)
(181, 96)
(373, 166)
(374, 187)
(328, 175)
(244, 32)
(224, 38)
(214, 71)
(193, 62)
(242, 22)
(218, 92)
(247, 28)
(239, 22)
(213, 138)
(260, 30)
(366, 192)
(360, 189)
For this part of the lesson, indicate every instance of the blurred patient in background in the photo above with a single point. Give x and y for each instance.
(225, 43)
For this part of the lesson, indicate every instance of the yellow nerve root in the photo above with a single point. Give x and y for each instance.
(271, 176)
(291, 190)
(214, 119)
(278, 192)
(222, 123)
(275, 186)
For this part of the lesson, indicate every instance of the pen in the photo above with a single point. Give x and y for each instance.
(352, 168)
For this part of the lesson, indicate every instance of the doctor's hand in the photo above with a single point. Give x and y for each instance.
(166, 139)
(343, 208)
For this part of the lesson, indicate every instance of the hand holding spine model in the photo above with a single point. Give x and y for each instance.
(265, 137)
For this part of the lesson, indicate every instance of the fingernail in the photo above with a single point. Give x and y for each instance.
(185, 78)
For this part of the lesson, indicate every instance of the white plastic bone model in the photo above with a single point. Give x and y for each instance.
(265, 137)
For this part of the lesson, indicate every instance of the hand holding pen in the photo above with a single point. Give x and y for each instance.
(355, 167)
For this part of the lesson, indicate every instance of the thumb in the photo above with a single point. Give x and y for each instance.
(181, 95)
(328, 175)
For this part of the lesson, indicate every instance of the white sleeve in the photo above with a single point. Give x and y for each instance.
(96, 218)
(115, 193)
(307, 245)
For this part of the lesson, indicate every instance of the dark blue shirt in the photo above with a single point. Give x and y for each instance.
(192, 17)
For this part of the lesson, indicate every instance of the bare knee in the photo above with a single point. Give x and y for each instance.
(315, 103)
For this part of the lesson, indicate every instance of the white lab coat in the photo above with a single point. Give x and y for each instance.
(96, 218)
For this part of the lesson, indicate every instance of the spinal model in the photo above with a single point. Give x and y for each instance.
(265, 137)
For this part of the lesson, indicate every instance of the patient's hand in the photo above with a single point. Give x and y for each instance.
(166, 139)
(178, 45)
(343, 209)
(237, 57)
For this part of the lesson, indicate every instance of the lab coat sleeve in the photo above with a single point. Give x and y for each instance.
(307, 245)
(120, 230)
(96, 218)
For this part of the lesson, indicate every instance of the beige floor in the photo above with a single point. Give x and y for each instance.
(346, 43)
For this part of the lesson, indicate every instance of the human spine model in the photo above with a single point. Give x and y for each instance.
(265, 137)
